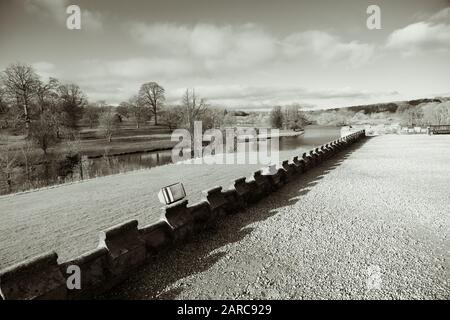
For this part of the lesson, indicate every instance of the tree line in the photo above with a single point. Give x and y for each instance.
(430, 113)
(41, 114)
(408, 114)
(45, 111)
(288, 117)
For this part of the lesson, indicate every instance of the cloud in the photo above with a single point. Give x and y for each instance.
(443, 15)
(210, 47)
(180, 55)
(249, 46)
(138, 68)
(225, 49)
(258, 92)
(48, 8)
(328, 48)
(91, 20)
(430, 35)
(44, 69)
(56, 9)
(195, 53)
(270, 95)
(166, 38)
(117, 80)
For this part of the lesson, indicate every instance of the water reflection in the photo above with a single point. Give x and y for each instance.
(313, 136)
(122, 163)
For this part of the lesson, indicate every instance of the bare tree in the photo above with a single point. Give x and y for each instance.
(92, 115)
(27, 156)
(46, 93)
(193, 108)
(3, 101)
(276, 118)
(135, 108)
(43, 133)
(8, 161)
(294, 118)
(4, 108)
(438, 114)
(21, 83)
(73, 157)
(73, 101)
(213, 118)
(109, 123)
(412, 116)
(151, 95)
(50, 103)
(172, 117)
(124, 109)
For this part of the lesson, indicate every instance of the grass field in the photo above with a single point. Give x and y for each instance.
(92, 143)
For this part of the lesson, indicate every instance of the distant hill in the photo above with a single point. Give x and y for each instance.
(390, 107)
(239, 113)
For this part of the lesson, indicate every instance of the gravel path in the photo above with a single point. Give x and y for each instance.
(373, 224)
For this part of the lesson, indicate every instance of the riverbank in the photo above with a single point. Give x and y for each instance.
(168, 145)
(125, 141)
(91, 143)
(371, 224)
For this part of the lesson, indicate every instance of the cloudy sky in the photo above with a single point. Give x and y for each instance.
(240, 53)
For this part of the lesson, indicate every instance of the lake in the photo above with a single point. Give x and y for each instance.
(314, 135)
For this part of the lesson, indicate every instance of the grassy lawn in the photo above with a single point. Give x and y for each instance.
(126, 139)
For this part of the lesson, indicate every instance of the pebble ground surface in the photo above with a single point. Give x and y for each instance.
(372, 223)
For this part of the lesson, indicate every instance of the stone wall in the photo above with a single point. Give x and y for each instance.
(125, 247)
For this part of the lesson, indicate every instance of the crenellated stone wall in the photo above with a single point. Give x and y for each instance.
(125, 247)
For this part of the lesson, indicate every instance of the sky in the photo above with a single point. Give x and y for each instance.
(247, 54)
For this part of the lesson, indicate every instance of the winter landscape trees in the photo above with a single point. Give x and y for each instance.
(152, 96)
(39, 118)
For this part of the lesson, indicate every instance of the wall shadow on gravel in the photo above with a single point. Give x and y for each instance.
(154, 279)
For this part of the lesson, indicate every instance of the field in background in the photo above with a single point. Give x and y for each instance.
(92, 143)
